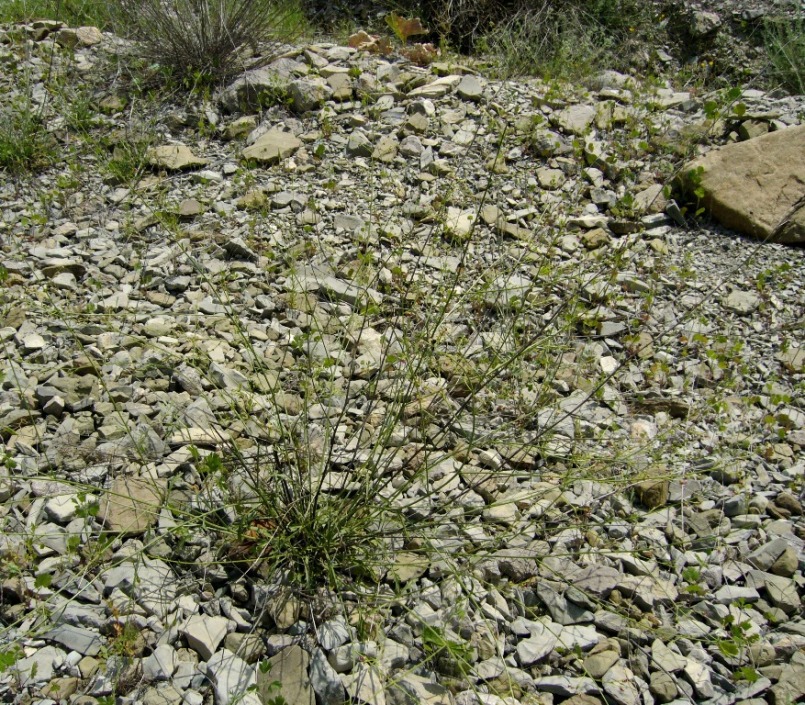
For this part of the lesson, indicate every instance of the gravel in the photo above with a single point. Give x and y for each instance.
(614, 517)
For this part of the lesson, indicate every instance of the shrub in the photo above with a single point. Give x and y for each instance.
(207, 41)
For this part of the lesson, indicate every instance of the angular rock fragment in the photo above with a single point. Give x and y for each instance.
(174, 158)
(272, 147)
(754, 187)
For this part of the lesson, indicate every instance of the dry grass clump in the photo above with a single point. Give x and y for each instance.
(207, 41)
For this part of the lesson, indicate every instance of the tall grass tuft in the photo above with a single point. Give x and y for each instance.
(75, 13)
(785, 45)
(208, 41)
(542, 39)
(25, 145)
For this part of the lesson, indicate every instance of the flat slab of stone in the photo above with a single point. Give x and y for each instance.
(575, 119)
(232, 679)
(74, 638)
(365, 684)
(204, 633)
(407, 566)
(174, 157)
(131, 505)
(286, 676)
(436, 89)
(756, 187)
(272, 147)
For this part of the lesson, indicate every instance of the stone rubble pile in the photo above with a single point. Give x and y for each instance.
(613, 517)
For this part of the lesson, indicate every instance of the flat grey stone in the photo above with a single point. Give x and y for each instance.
(765, 556)
(232, 679)
(536, 648)
(307, 94)
(783, 593)
(699, 676)
(423, 690)
(174, 157)
(665, 658)
(576, 119)
(742, 302)
(227, 378)
(333, 633)
(365, 684)
(566, 686)
(597, 580)
(727, 594)
(39, 667)
(578, 636)
(131, 505)
(204, 634)
(325, 681)
(470, 88)
(161, 664)
(290, 668)
(84, 641)
(599, 663)
(150, 581)
(272, 147)
(620, 684)
(386, 149)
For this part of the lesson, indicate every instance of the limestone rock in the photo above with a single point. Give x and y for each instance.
(231, 677)
(756, 187)
(174, 157)
(308, 94)
(365, 684)
(470, 88)
(436, 89)
(289, 668)
(131, 504)
(255, 88)
(619, 683)
(204, 634)
(576, 119)
(272, 147)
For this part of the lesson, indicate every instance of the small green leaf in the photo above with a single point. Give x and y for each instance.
(9, 657)
(212, 463)
(746, 673)
(43, 580)
(728, 648)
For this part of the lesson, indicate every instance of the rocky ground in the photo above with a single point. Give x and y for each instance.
(588, 409)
